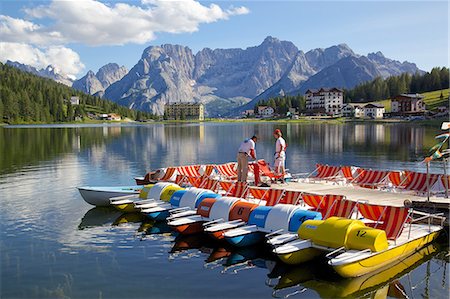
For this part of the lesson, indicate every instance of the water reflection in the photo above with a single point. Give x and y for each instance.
(53, 244)
(154, 146)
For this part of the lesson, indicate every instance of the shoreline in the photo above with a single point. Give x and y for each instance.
(306, 121)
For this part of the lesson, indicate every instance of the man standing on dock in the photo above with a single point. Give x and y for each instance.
(280, 153)
(246, 149)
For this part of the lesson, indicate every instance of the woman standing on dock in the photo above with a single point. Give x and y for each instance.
(280, 153)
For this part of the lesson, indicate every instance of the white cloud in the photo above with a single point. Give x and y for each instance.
(95, 23)
(39, 40)
(64, 59)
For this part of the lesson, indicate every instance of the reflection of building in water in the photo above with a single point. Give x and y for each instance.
(369, 134)
(378, 133)
(360, 133)
(333, 139)
(111, 131)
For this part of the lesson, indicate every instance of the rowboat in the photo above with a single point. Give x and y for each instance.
(99, 196)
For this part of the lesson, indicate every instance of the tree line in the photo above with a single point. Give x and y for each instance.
(379, 88)
(25, 97)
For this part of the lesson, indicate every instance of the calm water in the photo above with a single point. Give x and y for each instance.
(54, 245)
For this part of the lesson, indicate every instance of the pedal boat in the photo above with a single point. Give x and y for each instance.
(354, 263)
(265, 220)
(99, 196)
(158, 194)
(239, 215)
(210, 209)
(125, 204)
(182, 203)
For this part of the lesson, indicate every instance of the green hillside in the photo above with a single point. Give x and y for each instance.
(433, 99)
(27, 98)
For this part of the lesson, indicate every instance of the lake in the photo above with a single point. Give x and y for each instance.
(54, 245)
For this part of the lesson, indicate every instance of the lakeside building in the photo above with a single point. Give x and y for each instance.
(266, 111)
(352, 110)
(374, 111)
(75, 100)
(188, 111)
(110, 116)
(248, 112)
(324, 100)
(407, 104)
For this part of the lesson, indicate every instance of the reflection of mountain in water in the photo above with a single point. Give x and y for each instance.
(153, 146)
(131, 149)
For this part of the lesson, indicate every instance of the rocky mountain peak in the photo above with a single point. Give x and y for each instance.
(93, 83)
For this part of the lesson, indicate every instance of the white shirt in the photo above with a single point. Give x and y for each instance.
(280, 147)
(246, 146)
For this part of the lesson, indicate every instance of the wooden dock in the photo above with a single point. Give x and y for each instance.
(436, 204)
(355, 193)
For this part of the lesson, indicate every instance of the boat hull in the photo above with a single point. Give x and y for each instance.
(246, 240)
(126, 208)
(300, 256)
(158, 216)
(141, 181)
(382, 259)
(189, 229)
(99, 196)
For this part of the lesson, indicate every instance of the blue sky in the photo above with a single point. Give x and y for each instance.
(416, 31)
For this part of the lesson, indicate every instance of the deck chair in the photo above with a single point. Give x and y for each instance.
(208, 170)
(325, 172)
(369, 178)
(291, 197)
(187, 171)
(349, 173)
(343, 208)
(321, 203)
(273, 196)
(181, 180)
(225, 185)
(210, 184)
(238, 189)
(227, 170)
(328, 205)
(312, 200)
(265, 170)
(418, 181)
(398, 178)
(170, 172)
(258, 193)
(394, 222)
(375, 213)
(196, 181)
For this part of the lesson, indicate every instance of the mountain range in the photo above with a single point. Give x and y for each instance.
(228, 81)
(49, 72)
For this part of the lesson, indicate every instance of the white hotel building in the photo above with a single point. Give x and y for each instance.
(325, 100)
